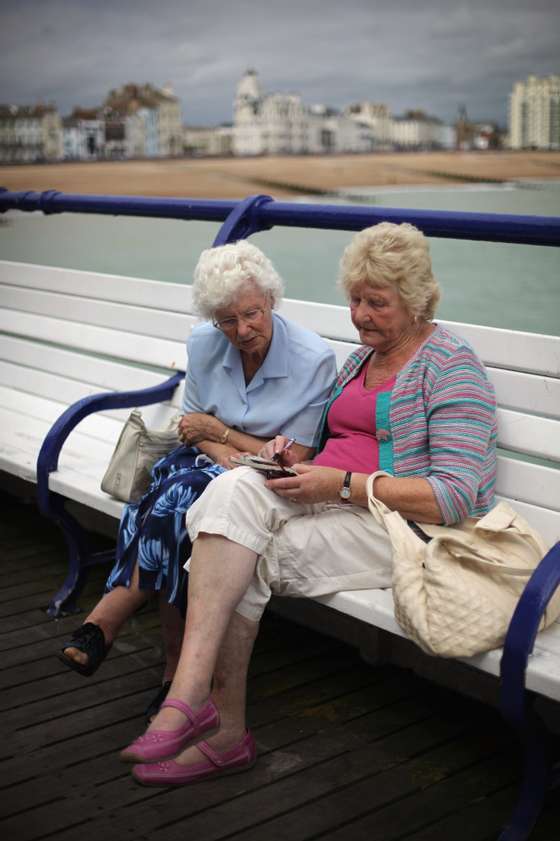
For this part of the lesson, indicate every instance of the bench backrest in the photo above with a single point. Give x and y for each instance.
(68, 333)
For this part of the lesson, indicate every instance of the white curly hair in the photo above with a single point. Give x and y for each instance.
(222, 272)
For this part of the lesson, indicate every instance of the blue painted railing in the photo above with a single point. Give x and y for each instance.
(266, 213)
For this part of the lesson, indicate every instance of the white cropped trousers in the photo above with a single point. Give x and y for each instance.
(302, 550)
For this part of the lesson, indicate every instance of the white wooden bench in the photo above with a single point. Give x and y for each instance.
(67, 335)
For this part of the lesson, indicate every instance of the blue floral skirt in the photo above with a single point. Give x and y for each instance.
(153, 533)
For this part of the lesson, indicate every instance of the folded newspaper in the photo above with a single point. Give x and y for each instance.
(272, 469)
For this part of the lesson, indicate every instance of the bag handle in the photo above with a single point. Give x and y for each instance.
(377, 508)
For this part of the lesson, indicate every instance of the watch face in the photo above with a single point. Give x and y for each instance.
(345, 493)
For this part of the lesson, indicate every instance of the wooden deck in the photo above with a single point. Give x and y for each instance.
(346, 751)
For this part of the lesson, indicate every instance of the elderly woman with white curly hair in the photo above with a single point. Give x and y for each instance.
(251, 374)
(414, 401)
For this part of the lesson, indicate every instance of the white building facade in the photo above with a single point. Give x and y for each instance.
(83, 135)
(280, 124)
(418, 131)
(30, 133)
(534, 113)
(202, 141)
(152, 119)
(377, 117)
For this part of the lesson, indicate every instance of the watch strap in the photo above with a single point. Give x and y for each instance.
(345, 492)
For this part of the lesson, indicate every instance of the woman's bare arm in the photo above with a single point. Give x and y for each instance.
(412, 497)
(219, 441)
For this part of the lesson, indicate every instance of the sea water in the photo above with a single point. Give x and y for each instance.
(501, 285)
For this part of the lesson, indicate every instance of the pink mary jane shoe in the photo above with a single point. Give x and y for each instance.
(212, 764)
(162, 744)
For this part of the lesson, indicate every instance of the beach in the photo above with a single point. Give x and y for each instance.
(281, 177)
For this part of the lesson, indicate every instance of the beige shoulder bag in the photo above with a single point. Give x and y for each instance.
(128, 475)
(455, 595)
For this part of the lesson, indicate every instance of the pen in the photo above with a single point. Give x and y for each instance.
(278, 456)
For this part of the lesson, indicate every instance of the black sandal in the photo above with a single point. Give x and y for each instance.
(90, 639)
(153, 707)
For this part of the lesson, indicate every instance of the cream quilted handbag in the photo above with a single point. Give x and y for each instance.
(455, 595)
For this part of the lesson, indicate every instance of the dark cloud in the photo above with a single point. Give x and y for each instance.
(434, 55)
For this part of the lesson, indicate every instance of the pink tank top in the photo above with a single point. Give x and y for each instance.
(352, 444)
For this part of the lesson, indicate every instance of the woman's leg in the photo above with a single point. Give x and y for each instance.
(111, 612)
(172, 630)
(229, 687)
(215, 588)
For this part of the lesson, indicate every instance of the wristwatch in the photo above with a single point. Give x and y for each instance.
(345, 491)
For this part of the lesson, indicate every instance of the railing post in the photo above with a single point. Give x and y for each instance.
(243, 221)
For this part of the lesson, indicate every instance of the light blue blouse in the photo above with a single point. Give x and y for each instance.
(286, 395)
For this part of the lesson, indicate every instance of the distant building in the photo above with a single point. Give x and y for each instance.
(203, 141)
(417, 130)
(83, 134)
(151, 119)
(534, 113)
(377, 117)
(280, 124)
(30, 133)
(479, 136)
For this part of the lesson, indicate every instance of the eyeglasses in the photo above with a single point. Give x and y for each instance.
(248, 317)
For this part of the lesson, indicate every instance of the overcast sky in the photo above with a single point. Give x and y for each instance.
(429, 54)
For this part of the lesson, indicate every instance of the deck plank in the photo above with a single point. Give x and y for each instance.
(346, 751)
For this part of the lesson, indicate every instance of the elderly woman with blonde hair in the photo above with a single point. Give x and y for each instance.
(414, 401)
(251, 374)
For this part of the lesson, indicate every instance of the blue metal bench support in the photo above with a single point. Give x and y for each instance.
(516, 702)
(51, 505)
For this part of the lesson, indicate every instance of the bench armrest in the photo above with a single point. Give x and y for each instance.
(521, 635)
(47, 461)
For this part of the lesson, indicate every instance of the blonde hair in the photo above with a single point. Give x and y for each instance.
(222, 272)
(393, 255)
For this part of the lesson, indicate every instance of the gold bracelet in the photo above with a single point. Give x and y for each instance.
(225, 436)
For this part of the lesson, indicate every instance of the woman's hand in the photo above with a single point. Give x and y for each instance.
(312, 484)
(225, 459)
(289, 456)
(198, 426)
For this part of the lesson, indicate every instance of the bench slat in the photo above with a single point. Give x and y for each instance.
(101, 374)
(529, 434)
(41, 410)
(526, 392)
(532, 483)
(18, 450)
(147, 322)
(138, 349)
(176, 298)
(68, 391)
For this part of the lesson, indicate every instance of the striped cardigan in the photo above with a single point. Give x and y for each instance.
(438, 422)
